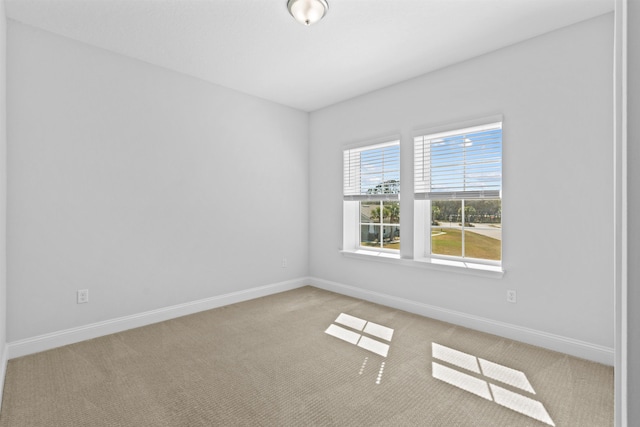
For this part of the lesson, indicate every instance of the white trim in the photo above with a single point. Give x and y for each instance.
(94, 330)
(582, 349)
(375, 142)
(451, 266)
(390, 143)
(372, 253)
(449, 127)
(350, 225)
(468, 265)
(620, 206)
(3, 370)
(49, 341)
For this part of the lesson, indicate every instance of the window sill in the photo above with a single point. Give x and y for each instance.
(480, 270)
(372, 255)
(475, 269)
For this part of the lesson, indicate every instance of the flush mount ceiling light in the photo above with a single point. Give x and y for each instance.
(307, 11)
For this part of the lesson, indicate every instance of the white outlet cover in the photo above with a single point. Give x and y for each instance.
(82, 296)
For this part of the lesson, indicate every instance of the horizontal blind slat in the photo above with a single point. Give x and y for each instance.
(372, 172)
(457, 165)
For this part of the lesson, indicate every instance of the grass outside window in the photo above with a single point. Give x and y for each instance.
(448, 241)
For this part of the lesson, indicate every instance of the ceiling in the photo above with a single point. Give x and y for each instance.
(256, 47)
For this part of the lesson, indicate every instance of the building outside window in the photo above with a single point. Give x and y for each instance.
(372, 192)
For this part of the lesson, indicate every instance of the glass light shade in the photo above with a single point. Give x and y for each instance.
(307, 11)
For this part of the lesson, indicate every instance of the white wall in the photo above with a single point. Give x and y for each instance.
(121, 180)
(3, 192)
(555, 93)
(633, 194)
(147, 187)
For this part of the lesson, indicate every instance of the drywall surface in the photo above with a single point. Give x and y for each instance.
(3, 181)
(146, 187)
(555, 94)
(633, 200)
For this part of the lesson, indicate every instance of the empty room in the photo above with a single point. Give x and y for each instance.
(319, 212)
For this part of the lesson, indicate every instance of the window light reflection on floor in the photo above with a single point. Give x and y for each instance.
(506, 375)
(455, 357)
(478, 386)
(519, 403)
(461, 380)
(361, 340)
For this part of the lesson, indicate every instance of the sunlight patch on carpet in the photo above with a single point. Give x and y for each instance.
(343, 334)
(480, 387)
(361, 340)
(364, 339)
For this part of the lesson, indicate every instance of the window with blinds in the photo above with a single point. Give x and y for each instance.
(372, 183)
(372, 172)
(458, 175)
(464, 164)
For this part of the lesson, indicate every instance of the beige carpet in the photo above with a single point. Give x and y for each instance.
(269, 362)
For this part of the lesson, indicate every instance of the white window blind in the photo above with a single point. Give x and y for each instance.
(463, 164)
(372, 172)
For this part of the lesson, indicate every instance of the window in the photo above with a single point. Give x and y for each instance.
(380, 224)
(372, 197)
(458, 193)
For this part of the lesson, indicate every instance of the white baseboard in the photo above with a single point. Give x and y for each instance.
(94, 330)
(558, 343)
(3, 370)
(573, 347)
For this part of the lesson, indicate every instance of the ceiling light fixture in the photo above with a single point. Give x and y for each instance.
(307, 11)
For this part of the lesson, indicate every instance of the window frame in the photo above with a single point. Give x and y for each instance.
(352, 200)
(428, 249)
(423, 204)
(412, 252)
(380, 225)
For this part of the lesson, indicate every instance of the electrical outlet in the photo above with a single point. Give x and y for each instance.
(284, 263)
(83, 296)
(512, 297)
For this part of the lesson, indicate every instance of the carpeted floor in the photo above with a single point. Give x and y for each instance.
(269, 362)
